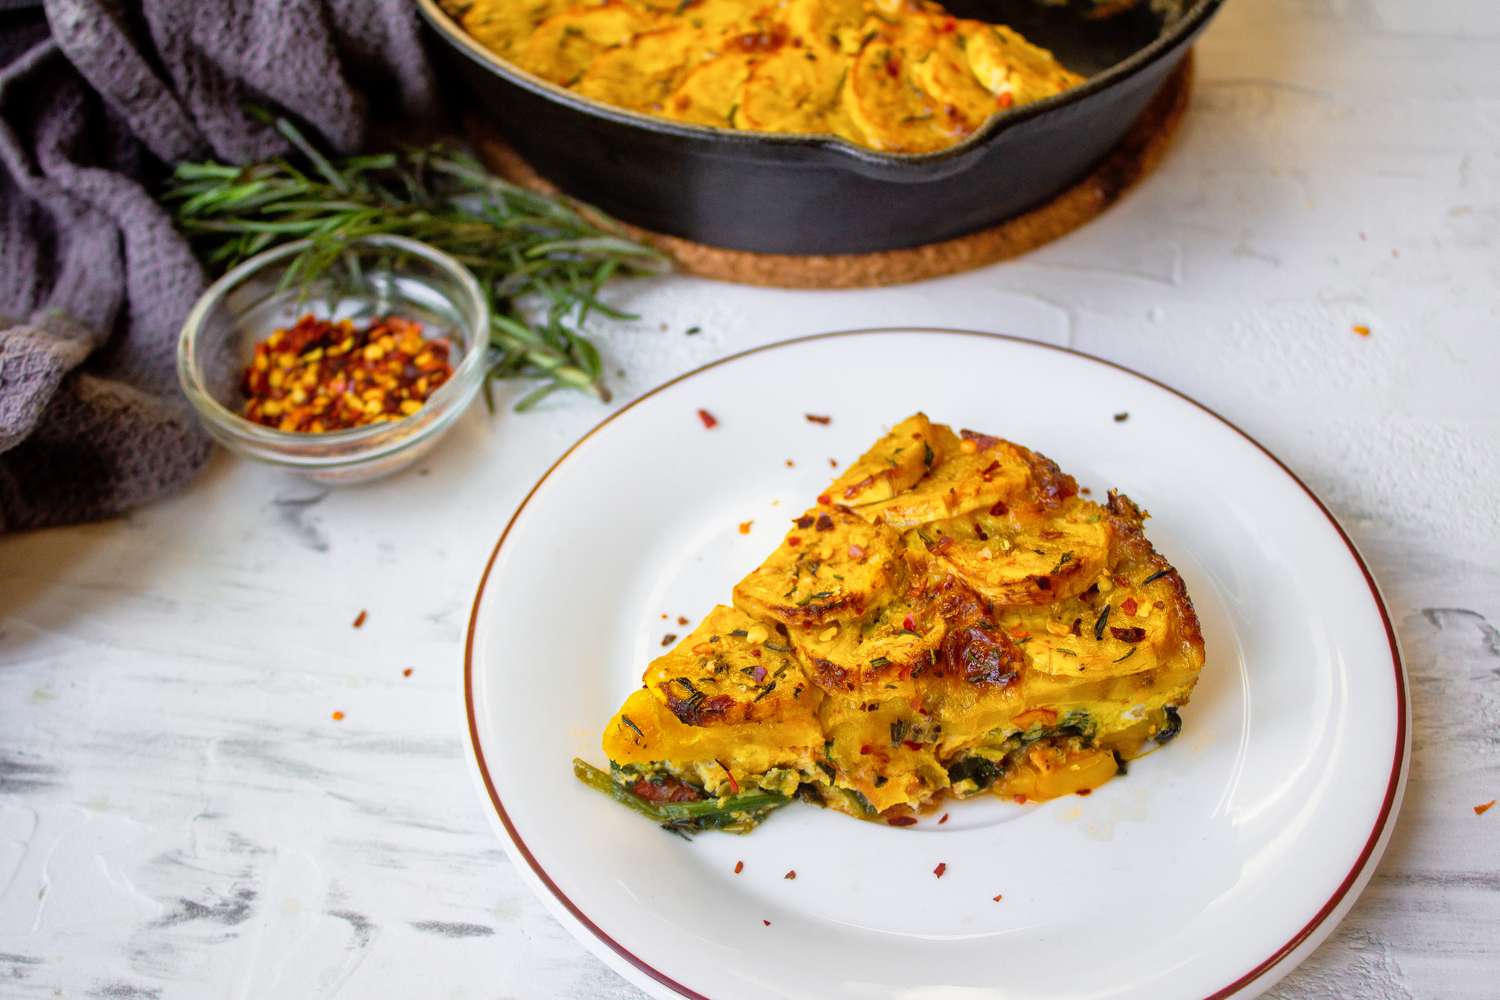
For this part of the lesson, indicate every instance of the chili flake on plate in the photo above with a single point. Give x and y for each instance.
(321, 375)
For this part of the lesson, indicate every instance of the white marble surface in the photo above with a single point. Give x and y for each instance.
(180, 816)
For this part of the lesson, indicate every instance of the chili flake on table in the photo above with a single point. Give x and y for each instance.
(321, 375)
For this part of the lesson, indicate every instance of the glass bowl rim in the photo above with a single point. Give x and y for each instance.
(462, 383)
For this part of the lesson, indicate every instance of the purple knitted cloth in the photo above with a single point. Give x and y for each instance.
(97, 98)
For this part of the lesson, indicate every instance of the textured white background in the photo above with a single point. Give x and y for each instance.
(179, 816)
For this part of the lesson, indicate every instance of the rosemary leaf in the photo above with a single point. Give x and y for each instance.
(541, 262)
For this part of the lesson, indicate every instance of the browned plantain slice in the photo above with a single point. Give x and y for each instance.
(893, 465)
(720, 695)
(878, 653)
(501, 27)
(641, 74)
(831, 565)
(1013, 557)
(724, 673)
(710, 93)
(564, 45)
(944, 74)
(1012, 68)
(791, 90)
(892, 113)
(834, 24)
(975, 473)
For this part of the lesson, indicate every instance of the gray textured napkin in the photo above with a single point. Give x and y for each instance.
(95, 100)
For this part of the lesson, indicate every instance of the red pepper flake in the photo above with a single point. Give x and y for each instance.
(338, 716)
(892, 67)
(668, 639)
(1005, 100)
(320, 375)
(940, 869)
(359, 619)
(681, 619)
(949, 26)
(793, 541)
(865, 749)
(1084, 791)
(908, 624)
(745, 527)
(406, 672)
(739, 866)
(824, 499)
(902, 820)
(1361, 329)
(999, 510)
(760, 41)
(943, 820)
(1019, 800)
(912, 744)
(709, 420)
(1484, 807)
(855, 489)
(1129, 605)
(998, 897)
(790, 875)
(813, 418)
(734, 786)
(766, 922)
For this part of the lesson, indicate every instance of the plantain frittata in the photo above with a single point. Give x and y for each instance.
(895, 75)
(951, 618)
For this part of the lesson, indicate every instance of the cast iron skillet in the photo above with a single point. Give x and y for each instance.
(820, 194)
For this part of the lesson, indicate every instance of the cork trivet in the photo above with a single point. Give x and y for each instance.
(1136, 155)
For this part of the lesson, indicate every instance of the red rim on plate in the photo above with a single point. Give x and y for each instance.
(1398, 762)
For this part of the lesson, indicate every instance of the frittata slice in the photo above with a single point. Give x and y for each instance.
(952, 618)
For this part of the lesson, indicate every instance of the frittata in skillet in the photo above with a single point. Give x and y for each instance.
(894, 75)
(952, 618)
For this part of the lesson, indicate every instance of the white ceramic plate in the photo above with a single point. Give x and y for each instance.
(1210, 869)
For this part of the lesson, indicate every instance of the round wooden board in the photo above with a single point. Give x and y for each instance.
(1136, 155)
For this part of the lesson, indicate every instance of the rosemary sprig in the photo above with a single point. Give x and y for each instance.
(541, 262)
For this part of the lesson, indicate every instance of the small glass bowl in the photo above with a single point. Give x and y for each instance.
(374, 276)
